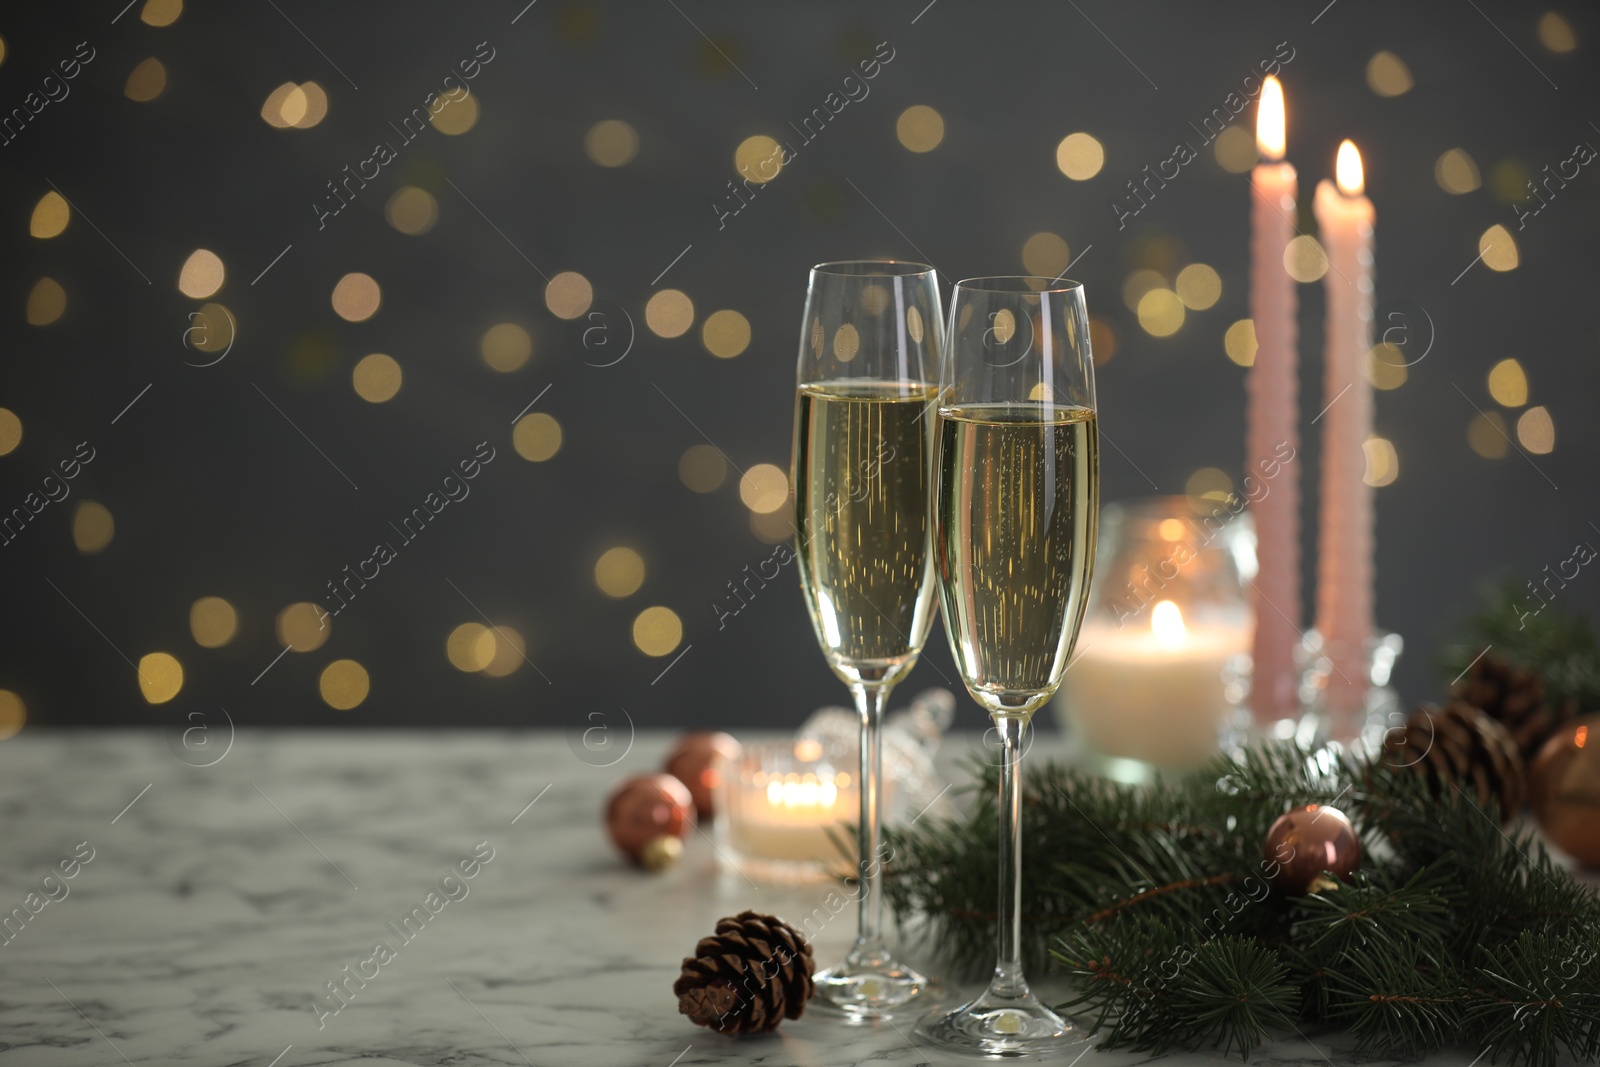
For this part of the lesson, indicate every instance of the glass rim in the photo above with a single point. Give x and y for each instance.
(887, 268)
(1019, 284)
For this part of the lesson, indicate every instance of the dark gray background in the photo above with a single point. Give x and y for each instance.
(214, 493)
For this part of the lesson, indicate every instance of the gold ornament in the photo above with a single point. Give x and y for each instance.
(1565, 783)
(659, 853)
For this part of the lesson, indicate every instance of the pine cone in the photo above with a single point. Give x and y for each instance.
(749, 976)
(1460, 744)
(1516, 698)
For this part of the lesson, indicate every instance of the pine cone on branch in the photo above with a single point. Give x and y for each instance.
(1461, 745)
(749, 976)
(1516, 697)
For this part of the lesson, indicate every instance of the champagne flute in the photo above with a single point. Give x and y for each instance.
(862, 466)
(1016, 494)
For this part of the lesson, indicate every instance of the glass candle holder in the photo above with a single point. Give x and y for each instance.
(786, 813)
(1163, 658)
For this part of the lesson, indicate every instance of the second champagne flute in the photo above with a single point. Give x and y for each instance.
(1016, 496)
(863, 448)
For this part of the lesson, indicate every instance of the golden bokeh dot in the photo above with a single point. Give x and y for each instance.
(1160, 312)
(1383, 463)
(568, 295)
(202, 274)
(1486, 435)
(146, 81)
(1508, 384)
(1080, 156)
(412, 210)
(875, 298)
(303, 626)
(1499, 248)
(914, 324)
(13, 713)
(1199, 286)
(1386, 366)
(1388, 75)
(1139, 283)
(457, 116)
(376, 378)
(1045, 254)
(1537, 430)
(1002, 325)
(470, 647)
(356, 297)
(1456, 172)
(669, 313)
(657, 631)
(213, 621)
(611, 143)
(2, 49)
(1304, 259)
(10, 431)
(1508, 180)
(160, 676)
(1555, 33)
(310, 106)
(703, 469)
(758, 158)
(1208, 487)
(50, 215)
(846, 343)
(161, 12)
(1042, 391)
(344, 684)
(725, 333)
(1102, 340)
(279, 100)
(506, 347)
(509, 651)
(536, 437)
(47, 302)
(1236, 150)
(211, 329)
(619, 572)
(774, 527)
(920, 128)
(764, 488)
(92, 527)
(1240, 342)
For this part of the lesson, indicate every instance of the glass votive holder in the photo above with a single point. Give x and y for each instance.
(1161, 667)
(1362, 730)
(786, 814)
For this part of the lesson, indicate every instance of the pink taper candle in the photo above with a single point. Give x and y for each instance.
(1273, 437)
(1344, 565)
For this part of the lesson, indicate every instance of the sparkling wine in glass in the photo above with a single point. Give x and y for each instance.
(862, 469)
(1016, 496)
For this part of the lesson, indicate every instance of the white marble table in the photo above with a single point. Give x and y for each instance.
(220, 899)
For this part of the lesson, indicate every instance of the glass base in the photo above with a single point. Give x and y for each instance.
(861, 993)
(996, 1025)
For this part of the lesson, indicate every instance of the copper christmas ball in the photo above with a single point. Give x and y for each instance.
(1306, 841)
(1565, 787)
(645, 808)
(693, 761)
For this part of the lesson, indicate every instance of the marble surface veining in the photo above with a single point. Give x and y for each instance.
(218, 901)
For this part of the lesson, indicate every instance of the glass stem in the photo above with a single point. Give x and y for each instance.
(871, 701)
(1008, 978)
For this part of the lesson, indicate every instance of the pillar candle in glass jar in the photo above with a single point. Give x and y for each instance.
(1158, 676)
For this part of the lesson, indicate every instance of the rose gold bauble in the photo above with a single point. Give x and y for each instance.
(1307, 841)
(645, 808)
(693, 761)
(1565, 787)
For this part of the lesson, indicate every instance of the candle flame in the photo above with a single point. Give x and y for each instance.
(1580, 736)
(797, 791)
(1347, 170)
(1166, 623)
(1270, 121)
